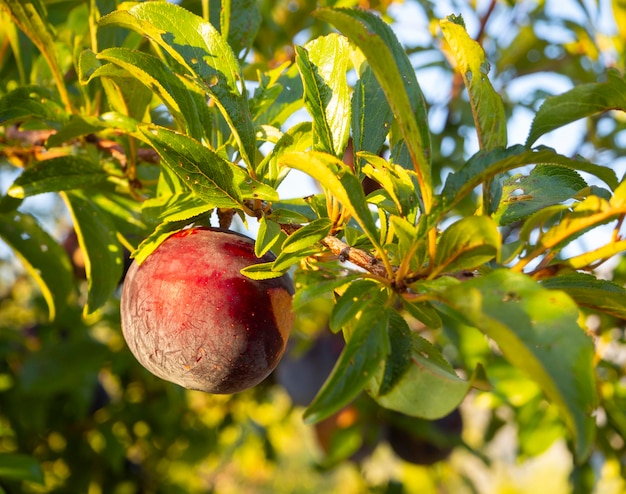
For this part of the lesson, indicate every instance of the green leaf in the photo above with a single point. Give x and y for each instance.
(371, 115)
(307, 236)
(268, 236)
(589, 291)
(471, 63)
(31, 102)
(253, 189)
(46, 261)
(571, 223)
(546, 216)
(284, 216)
(125, 94)
(286, 259)
(104, 257)
(415, 379)
(537, 331)
(487, 107)
(467, 244)
(404, 232)
(16, 466)
(120, 121)
(77, 126)
(296, 138)
(405, 241)
(88, 63)
(319, 284)
(125, 212)
(57, 174)
(168, 184)
(174, 208)
(243, 24)
(323, 64)
(211, 177)
(366, 347)
(396, 180)
(423, 312)
(396, 75)
(357, 296)
(582, 101)
(263, 271)
(279, 95)
(299, 209)
(31, 17)
(184, 102)
(152, 241)
(544, 186)
(335, 176)
(197, 46)
(21, 54)
(486, 164)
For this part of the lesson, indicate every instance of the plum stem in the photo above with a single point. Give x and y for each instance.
(225, 217)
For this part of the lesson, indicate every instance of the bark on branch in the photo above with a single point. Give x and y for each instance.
(356, 256)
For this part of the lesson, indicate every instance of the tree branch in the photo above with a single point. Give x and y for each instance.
(356, 256)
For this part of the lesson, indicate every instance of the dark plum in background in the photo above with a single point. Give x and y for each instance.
(424, 442)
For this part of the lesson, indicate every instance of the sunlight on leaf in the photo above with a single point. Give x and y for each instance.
(582, 101)
(537, 331)
(395, 73)
(473, 66)
(44, 258)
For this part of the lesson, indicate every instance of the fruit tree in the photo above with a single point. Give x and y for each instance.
(418, 205)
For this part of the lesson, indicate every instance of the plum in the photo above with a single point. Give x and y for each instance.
(190, 317)
(424, 442)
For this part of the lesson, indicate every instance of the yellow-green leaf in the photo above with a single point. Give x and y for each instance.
(467, 244)
(471, 63)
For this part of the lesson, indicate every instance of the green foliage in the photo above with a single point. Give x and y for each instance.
(417, 381)
(455, 275)
(44, 258)
(323, 63)
(582, 101)
(502, 305)
(366, 348)
(20, 467)
(394, 72)
(472, 64)
(103, 252)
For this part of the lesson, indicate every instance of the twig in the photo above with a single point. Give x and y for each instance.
(225, 217)
(356, 256)
(484, 20)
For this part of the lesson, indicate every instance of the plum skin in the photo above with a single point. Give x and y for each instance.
(190, 317)
(424, 442)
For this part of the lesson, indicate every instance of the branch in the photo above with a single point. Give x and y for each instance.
(356, 256)
(484, 20)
